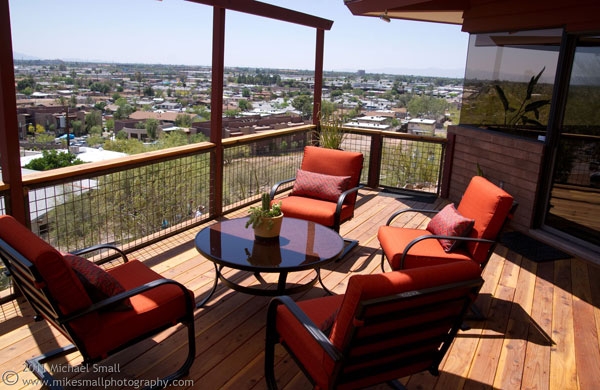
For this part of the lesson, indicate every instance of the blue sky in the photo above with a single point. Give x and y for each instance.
(179, 32)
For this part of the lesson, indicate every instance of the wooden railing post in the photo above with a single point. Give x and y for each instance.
(10, 158)
(446, 169)
(375, 160)
(216, 113)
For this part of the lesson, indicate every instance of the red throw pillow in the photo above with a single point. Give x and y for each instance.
(320, 186)
(448, 222)
(98, 283)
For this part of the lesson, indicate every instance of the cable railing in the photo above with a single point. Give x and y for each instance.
(140, 199)
(398, 160)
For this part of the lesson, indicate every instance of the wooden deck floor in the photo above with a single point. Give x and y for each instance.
(542, 330)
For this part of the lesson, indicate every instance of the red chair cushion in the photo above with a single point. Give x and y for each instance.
(98, 283)
(320, 186)
(335, 163)
(448, 222)
(425, 253)
(62, 282)
(365, 287)
(291, 332)
(316, 210)
(157, 307)
(489, 206)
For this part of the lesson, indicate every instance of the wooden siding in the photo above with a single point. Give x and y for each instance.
(504, 159)
(542, 328)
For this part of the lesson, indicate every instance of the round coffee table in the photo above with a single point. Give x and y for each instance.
(301, 245)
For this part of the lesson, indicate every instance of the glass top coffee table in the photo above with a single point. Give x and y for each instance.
(301, 245)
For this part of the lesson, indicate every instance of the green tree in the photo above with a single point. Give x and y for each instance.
(110, 124)
(183, 120)
(148, 91)
(27, 91)
(244, 105)
(53, 159)
(246, 92)
(303, 103)
(231, 113)
(94, 140)
(77, 128)
(95, 130)
(121, 135)
(27, 82)
(327, 108)
(427, 106)
(151, 128)
(100, 106)
(116, 96)
(92, 119)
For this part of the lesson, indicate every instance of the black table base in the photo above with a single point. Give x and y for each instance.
(281, 286)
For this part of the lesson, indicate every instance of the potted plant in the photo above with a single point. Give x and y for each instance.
(266, 220)
(331, 135)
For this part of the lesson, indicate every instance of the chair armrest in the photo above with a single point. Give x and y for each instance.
(340, 203)
(128, 294)
(277, 185)
(419, 239)
(101, 246)
(310, 327)
(413, 210)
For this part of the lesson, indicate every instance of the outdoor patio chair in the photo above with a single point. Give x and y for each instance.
(386, 326)
(325, 189)
(488, 208)
(72, 294)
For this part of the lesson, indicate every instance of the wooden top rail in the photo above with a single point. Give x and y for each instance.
(4, 187)
(125, 162)
(393, 134)
(266, 134)
(119, 163)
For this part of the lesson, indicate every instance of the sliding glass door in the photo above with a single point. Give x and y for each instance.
(574, 203)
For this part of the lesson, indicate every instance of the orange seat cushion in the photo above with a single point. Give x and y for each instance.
(315, 210)
(425, 253)
(291, 332)
(152, 309)
(489, 206)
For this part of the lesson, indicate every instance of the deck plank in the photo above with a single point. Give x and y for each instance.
(542, 331)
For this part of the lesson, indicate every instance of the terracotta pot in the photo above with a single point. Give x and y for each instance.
(269, 228)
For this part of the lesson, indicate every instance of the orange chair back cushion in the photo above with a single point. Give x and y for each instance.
(489, 206)
(335, 163)
(62, 282)
(365, 287)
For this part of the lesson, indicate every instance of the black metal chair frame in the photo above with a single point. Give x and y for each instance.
(342, 358)
(29, 281)
(439, 237)
(338, 211)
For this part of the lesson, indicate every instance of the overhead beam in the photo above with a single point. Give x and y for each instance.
(270, 11)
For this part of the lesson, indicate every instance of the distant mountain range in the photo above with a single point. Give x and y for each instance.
(21, 56)
(430, 72)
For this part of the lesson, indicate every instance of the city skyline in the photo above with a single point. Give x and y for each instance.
(150, 32)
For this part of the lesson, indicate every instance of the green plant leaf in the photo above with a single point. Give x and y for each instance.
(532, 83)
(535, 105)
(502, 97)
(531, 122)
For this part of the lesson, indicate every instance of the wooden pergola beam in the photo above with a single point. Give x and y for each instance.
(270, 11)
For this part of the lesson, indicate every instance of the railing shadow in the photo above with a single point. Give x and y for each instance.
(507, 320)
